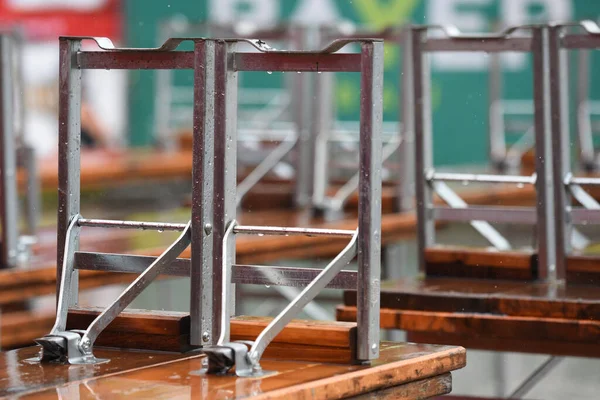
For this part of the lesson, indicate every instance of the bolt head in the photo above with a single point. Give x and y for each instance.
(374, 347)
(205, 337)
(207, 228)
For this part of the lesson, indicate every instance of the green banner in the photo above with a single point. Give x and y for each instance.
(459, 81)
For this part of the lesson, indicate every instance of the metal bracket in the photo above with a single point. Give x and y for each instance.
(76, 347)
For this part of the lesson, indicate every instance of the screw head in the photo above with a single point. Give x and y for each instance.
(207, 228)
(205, 337)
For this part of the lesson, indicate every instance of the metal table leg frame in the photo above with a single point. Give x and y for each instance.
(566, 186)
(429, 181)
(225, 354)
(65, 346)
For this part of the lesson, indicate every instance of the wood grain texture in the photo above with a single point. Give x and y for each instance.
(18, 376)
(502, 333)
(417, 390)
(138, 329)
(480, 263)
(512, 298)
(399, 365)
(300, 340)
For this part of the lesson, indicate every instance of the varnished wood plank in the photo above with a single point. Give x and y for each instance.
(561, 333)
(417, 390)
(327, 333)
(19, 377)
(300, 340)
(18, 285)
(518, 345)
(138, 329)
(480, 263)
(399, 364)
(513, 298)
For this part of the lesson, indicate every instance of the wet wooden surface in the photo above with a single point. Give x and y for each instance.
(103, 168)
(561, 319)
(465, 262)
(512, 298)
(19, 376)
(480, 263)
(409, 368)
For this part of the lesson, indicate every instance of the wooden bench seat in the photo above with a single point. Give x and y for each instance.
(491, 314)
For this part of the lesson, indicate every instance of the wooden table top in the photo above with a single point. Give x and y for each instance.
(403, 368)
(100, 167)
(536, 317)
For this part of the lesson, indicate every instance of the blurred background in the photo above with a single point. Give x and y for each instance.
(125, 103)
(151, 110)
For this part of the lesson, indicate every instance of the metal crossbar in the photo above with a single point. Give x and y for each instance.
(212, 228)
(523, 39)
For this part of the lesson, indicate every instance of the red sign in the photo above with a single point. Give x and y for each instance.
(47, 19)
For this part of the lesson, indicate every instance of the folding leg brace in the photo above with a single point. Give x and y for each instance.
(75, 347)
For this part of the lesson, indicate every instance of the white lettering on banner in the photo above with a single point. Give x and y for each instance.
(259, 12)
(464, 15)
(315, 12)
(40, 5)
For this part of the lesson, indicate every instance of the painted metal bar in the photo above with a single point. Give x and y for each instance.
(580, 41)
(583, 121)
(69, 149)
(496, 126)
(289, 276)
(483, 43)
(369, 200)
(107, 223)
(481, 178)
(423, 144)
(516, 215)
(137, 59)
(201, 282)
(303, 86)
(291, 62)
(9, 200)
(128, 263)
(291, 231)
(560, 147)
(27, 158)
(584, 216)
(225, 146)
(244, 274)
(406, 150)
(543, 151)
